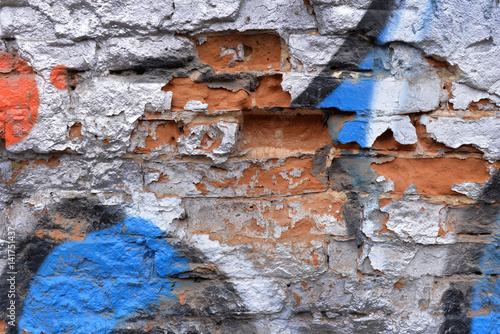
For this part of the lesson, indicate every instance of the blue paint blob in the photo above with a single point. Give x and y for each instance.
(481, 325)
(90, 286)
(486, 297)
(350, 95)
(355, 131)
(486, 292)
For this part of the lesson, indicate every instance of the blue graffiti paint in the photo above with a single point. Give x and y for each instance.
(89, 286)
(431, 10)
(357, 96)
(486, 295)
(350, 95)
(388, 34)
(390, 29)
(355, 131)
(367, 63)
(490, 260)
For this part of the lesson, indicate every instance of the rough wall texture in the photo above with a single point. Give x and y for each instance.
(241, 166)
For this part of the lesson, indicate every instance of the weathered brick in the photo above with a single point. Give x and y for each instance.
(241, 52)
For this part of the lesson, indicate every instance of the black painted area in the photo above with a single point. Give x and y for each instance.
(317, 91)
(319, 168)
(338, 178)
(30, 254)
(194, 325)
(220, 299)
(492, 192)
(464, 258)
(453, 303)
(153, 64)
(154, 330)
(230, 81)
(352, 214)
(90, 212)
(237, 326)
(352, 52)
(480, 218)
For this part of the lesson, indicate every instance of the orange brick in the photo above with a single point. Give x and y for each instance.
(257, 51)
(184, 90)
(432, 176)
(304, 133)
(166, 133)
(75, 131)
(270, 94)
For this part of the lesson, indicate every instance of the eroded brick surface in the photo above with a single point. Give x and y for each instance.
(241, 52)
(249, 167)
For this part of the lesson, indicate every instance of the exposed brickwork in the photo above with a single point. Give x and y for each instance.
(248, 167)
(241, 52)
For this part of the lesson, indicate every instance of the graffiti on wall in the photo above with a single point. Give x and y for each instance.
(99, 269)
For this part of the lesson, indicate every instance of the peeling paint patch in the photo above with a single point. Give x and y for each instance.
(483, 133)
(294, 177)
(155, 136)
(216, 141)
(289, 176)
(414, 220)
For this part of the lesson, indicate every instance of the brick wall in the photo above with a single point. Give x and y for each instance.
(246, 167)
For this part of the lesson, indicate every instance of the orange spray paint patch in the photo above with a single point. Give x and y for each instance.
(60, 77)
(19, 100)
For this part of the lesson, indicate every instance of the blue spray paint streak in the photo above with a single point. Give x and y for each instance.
(355, 131)
(357, 96)
(354, 96)
(432, 8)
(486, 294)
(350, 96)
(368, 62)
(391, 27)
(388, 34)
(89, 286)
